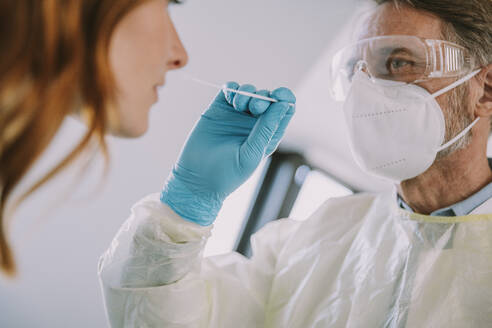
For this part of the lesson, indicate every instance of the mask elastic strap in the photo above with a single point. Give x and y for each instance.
(456, 84)
(447, 89)
(459, 136)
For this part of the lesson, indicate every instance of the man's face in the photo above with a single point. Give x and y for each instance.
(389, 20)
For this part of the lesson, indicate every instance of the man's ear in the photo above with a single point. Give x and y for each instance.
(484, 104)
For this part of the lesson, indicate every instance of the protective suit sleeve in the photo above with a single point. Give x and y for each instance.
(154, 273)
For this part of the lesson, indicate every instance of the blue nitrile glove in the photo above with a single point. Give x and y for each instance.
(226, 146)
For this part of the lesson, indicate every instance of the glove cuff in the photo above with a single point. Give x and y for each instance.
(192, 205)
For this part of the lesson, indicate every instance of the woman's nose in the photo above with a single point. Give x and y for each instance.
(179, 57)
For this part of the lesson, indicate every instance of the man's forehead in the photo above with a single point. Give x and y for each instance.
(389, 20)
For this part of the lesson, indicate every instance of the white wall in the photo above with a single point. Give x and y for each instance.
(60, 232)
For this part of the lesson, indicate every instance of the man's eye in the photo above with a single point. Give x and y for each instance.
(399, 65)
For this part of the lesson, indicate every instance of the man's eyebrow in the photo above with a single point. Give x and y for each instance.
(395, 51)
(402, 51)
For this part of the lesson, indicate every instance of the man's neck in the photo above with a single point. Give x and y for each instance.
(448, 181)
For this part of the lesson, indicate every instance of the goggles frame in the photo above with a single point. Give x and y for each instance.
(444, 59)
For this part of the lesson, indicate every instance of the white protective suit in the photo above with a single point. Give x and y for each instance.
(359, 261)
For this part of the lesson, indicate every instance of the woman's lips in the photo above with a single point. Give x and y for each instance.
(157, 88)
(156, 93)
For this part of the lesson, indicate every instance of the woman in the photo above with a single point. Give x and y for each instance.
(102, 61)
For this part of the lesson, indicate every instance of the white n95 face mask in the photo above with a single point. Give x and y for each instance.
(396, 129)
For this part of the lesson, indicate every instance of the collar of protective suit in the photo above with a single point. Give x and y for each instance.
(483, 211)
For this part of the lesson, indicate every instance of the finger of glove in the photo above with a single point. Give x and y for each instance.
(229, 95)
(279, 134)
(221, 109)
(221, 100)
(286, 95)
(283, 94)
(254, 149)
(259, 106)
(241, 102)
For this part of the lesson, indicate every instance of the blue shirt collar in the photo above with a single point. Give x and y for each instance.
(465, 207)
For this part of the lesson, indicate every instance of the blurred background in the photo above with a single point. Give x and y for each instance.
(60, 232)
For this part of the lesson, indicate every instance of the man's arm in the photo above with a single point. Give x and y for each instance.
(154, 275)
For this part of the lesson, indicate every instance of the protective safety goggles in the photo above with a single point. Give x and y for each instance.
(398, 58)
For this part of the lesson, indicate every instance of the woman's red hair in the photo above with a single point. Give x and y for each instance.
(53, 63)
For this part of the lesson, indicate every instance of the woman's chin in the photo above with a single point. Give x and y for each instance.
(130, 130)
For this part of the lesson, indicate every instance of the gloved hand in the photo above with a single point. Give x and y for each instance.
(226, 146)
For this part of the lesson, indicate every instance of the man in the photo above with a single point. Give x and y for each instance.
(418, 110)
